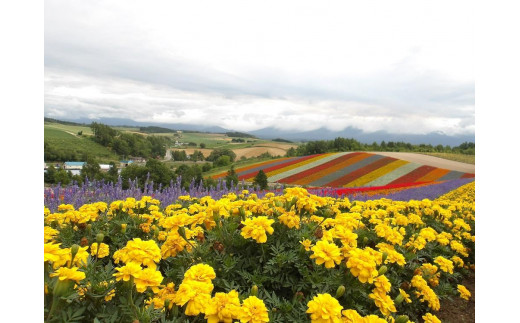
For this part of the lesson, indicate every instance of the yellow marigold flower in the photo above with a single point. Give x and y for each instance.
(459, 248)
(49, 234)
(351, 316)
(131, 269)
(64, 273)
(444, 238)
(195, 294)
(173, 245)
(290, 219)
(464, 293)
(201, 272)
(363, 264)
(445, 264)
(256, 228)
(253, 310)
(324, 308)
(392, 255)
(54, 254)
(406, 297)
(146, 253)
(347, 237)
(103, 250)
(223, 308)
(458, 261)
(382, 284)
(426, 292)
(81, 257)
(307, 244)
(326, 252)
(148, 277)
(383, 302)
(430, 318)
(373, 319)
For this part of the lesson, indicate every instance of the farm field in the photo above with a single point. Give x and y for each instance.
(468, 159)
(356, 169)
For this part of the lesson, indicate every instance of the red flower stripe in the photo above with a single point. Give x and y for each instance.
(375, 189)
(413, 175)
(468, 175)
(433, 175)
(361, 172)
(329, 166)
(269, 169)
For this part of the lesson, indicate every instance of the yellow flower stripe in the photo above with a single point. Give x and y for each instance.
(361, 181)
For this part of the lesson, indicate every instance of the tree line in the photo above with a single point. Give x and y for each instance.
(129, 144)
(349, 144)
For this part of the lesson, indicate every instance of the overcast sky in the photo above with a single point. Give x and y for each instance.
(399, 66)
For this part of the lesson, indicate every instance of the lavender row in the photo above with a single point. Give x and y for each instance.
(430, 192)
(100, 191)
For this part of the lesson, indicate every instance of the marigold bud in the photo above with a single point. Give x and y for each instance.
(73, 250)
(100, 237)
(382, 270)
(402, 319)
(340, 291)
(399, 299)
(299, 295)
(89, 227)
(123, 228)
(62, 287)
(365, 240)
(254, 290)
(385, 255)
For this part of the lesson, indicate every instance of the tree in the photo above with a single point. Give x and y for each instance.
(222, 161)
(91, 169)
(231, 176)
(202, 145)
(260, 180)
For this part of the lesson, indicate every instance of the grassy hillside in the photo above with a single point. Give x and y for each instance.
(74, 145)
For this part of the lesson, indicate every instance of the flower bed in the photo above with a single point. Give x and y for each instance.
(291, 257)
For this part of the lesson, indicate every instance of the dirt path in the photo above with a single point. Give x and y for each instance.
(459, 310)
(430, 161)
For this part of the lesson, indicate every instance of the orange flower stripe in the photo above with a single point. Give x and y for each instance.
(433, 175)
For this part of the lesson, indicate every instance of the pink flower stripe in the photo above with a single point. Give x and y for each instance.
(323, 170)
(360, 172)
(270, 169)
(434, 175)
(331, 166)
(363, 180)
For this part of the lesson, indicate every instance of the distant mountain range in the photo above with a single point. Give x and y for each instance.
(434, 138)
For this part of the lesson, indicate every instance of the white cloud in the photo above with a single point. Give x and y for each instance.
(400, 66)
